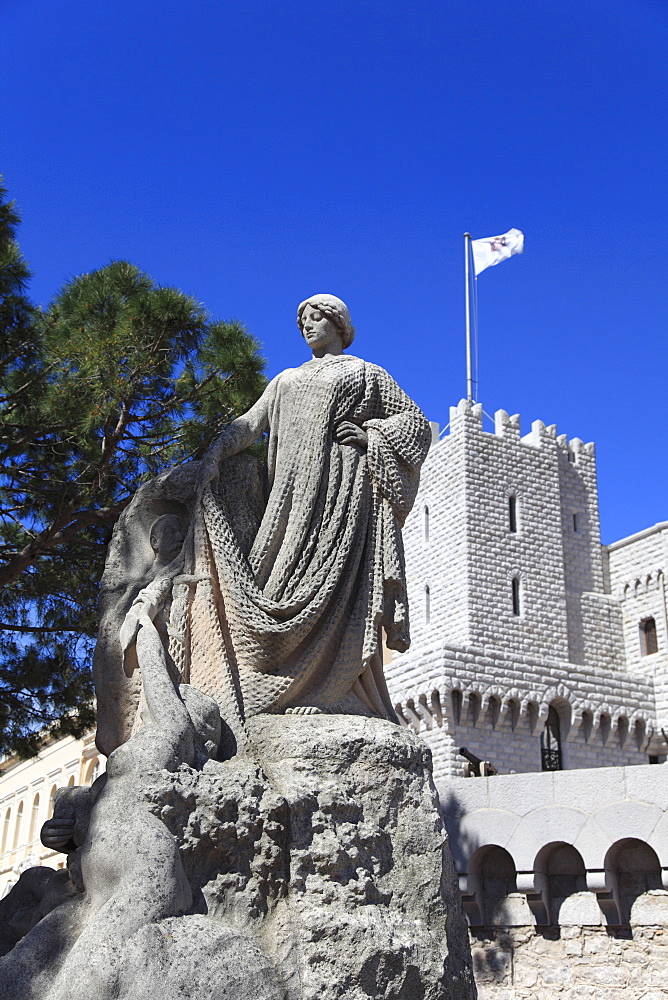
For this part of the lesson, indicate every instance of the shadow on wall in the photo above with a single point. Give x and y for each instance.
(462, 845)
(492, 964)
(632, 870)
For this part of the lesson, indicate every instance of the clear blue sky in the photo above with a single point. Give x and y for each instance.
(253, 152)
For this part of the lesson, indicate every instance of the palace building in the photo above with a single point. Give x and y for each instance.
(545, 655)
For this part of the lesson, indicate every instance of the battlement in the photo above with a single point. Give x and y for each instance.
(467, 416)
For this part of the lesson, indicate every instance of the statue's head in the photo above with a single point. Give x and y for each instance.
(166, 537)
(205, 716)
(333, 309)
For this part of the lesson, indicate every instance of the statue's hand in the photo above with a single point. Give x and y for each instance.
(58, 832)
(349, 433)
(142, 611)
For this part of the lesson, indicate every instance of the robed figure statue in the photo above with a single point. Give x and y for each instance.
(293, 621)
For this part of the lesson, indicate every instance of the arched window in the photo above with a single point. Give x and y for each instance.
(563, 874)
(457, 705)
(648, 638)
(515, 590)
(493, 873)
(92, 771)
(550, 742)
(52, 800)
(17, 827)
(5, 831)
(34, 820)
(70, 781)
(636, 869)
(427, 604)
(512, 513)
(426, 526)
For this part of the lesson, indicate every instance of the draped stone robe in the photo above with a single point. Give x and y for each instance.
(296, 624)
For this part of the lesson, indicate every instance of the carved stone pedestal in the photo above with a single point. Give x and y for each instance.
(319, 870)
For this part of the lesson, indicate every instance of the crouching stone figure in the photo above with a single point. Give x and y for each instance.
(132, 877)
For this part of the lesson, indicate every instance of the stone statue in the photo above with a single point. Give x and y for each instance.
(292, 849)
(296, 625)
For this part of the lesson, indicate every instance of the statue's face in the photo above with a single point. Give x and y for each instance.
(318, 330)
(167, 539)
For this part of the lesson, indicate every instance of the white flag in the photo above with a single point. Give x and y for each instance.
(494, 249)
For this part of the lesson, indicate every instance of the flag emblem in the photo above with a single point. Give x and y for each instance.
(493, 249)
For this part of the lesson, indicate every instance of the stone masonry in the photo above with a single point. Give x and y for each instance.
(486, 664)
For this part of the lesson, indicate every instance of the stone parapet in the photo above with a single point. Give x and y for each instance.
(497, 704)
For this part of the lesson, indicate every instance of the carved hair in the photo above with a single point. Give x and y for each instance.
(335, 310)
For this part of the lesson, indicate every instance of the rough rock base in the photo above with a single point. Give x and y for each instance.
(319, 868)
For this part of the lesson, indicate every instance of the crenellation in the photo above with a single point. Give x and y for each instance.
(501, 422)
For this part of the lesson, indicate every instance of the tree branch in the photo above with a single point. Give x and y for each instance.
(4, 627)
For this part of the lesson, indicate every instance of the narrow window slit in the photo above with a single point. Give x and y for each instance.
(512, 514)
(649, 642)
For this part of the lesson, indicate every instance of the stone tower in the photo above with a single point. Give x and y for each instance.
(511, 609)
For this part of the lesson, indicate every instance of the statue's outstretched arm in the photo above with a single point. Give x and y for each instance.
(163, 700)
(241, 433)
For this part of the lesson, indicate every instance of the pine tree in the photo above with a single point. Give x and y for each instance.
(118, 379)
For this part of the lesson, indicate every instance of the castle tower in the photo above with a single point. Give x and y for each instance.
(510, 618)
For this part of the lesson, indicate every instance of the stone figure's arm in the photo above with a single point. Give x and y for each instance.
(241, 433)
(347, 432)
(398, 441)
(147, 603)
(66, 830)
(164, 702)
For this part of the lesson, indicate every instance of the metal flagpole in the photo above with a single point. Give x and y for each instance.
(467, 282)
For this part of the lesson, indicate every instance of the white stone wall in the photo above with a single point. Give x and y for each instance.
(606, 717)
(591, 809)
(602, 939)
(441, 500)
(471, 555)
(593, 637)
(497, 466)
(637, 572)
